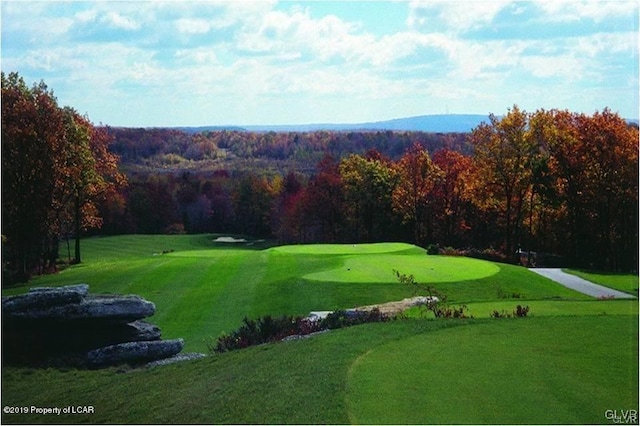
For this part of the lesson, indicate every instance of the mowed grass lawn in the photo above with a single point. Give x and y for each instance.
(417, 370)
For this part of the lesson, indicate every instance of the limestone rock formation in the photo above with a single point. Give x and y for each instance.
(68, 326)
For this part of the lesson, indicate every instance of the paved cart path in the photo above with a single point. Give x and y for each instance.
(580, 284)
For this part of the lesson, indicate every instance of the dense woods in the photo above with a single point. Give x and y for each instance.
(552, 182)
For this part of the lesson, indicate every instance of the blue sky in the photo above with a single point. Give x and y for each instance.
(178, 63)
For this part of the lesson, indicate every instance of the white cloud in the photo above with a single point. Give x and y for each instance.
(192, 26)
(237, 57)
(119, 21)
(457, 16)
(572, 10)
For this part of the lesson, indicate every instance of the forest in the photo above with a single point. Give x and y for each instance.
(550, 181)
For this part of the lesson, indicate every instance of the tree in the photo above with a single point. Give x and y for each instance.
(253, 200)
(451, 194)
(323, 202)
(32, 128)
(89, 173)
(368, 183)
(595, 159)
(55, 164)
(413, 195)
(503, 151)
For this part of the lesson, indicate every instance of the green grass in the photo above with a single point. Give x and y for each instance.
(202, 289)
(623, 282)
(548, 370)
(553, 370)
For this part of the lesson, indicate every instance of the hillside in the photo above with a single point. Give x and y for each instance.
(438, 123)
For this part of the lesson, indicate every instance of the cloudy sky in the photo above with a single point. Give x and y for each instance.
(178, 63)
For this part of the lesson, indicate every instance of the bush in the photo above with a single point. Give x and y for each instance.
(519, 312)
(267, 329)
(450, 251)
(433, 249)
(175, 229)
(487, 254)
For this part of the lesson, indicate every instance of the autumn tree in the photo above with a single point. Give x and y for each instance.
(503, 150)
(450, 195)
(254, 199)
(91, 172)
(32, 127)
(413, 194)
(54, 164)
(286, 218)
(323, 202)
(595, 159)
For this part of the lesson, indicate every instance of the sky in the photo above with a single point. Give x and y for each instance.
(182, 63)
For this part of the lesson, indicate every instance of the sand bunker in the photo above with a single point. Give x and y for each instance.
(229, 240)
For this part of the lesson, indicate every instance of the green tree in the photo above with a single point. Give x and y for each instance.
(368, 183)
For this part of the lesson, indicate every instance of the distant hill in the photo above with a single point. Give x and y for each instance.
(439, 123)
(442, 123)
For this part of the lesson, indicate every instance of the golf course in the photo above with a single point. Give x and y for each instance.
(571, 360)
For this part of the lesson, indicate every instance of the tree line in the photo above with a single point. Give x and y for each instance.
(162, 149)
(546, 181)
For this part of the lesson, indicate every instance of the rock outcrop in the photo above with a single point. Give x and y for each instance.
(68, 326)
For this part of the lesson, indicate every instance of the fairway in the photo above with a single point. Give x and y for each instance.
(203, 289)
(572, 358)
(553, 370)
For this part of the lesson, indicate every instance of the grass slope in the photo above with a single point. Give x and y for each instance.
(553, 370)
(202, 288)
(534, 370)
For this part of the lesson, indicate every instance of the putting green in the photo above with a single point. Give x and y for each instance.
(560, 370)
(378, 268)
(345, 249)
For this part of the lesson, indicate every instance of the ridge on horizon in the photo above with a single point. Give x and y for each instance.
(430, 123)
(437, 123)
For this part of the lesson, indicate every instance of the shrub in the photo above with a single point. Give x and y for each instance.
(487, 254)
(450, 251)
(433, 249)
(519, 312)
(175, 229)
(268, 329)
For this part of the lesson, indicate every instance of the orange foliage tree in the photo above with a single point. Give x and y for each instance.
(54, 166)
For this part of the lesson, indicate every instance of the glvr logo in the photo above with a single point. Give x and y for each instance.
(622, 416)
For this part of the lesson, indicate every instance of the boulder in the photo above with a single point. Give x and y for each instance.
(68, 326)
(134, 352)
(42, 298)
(104, 307)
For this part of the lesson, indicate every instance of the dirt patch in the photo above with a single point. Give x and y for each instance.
(392, 308)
